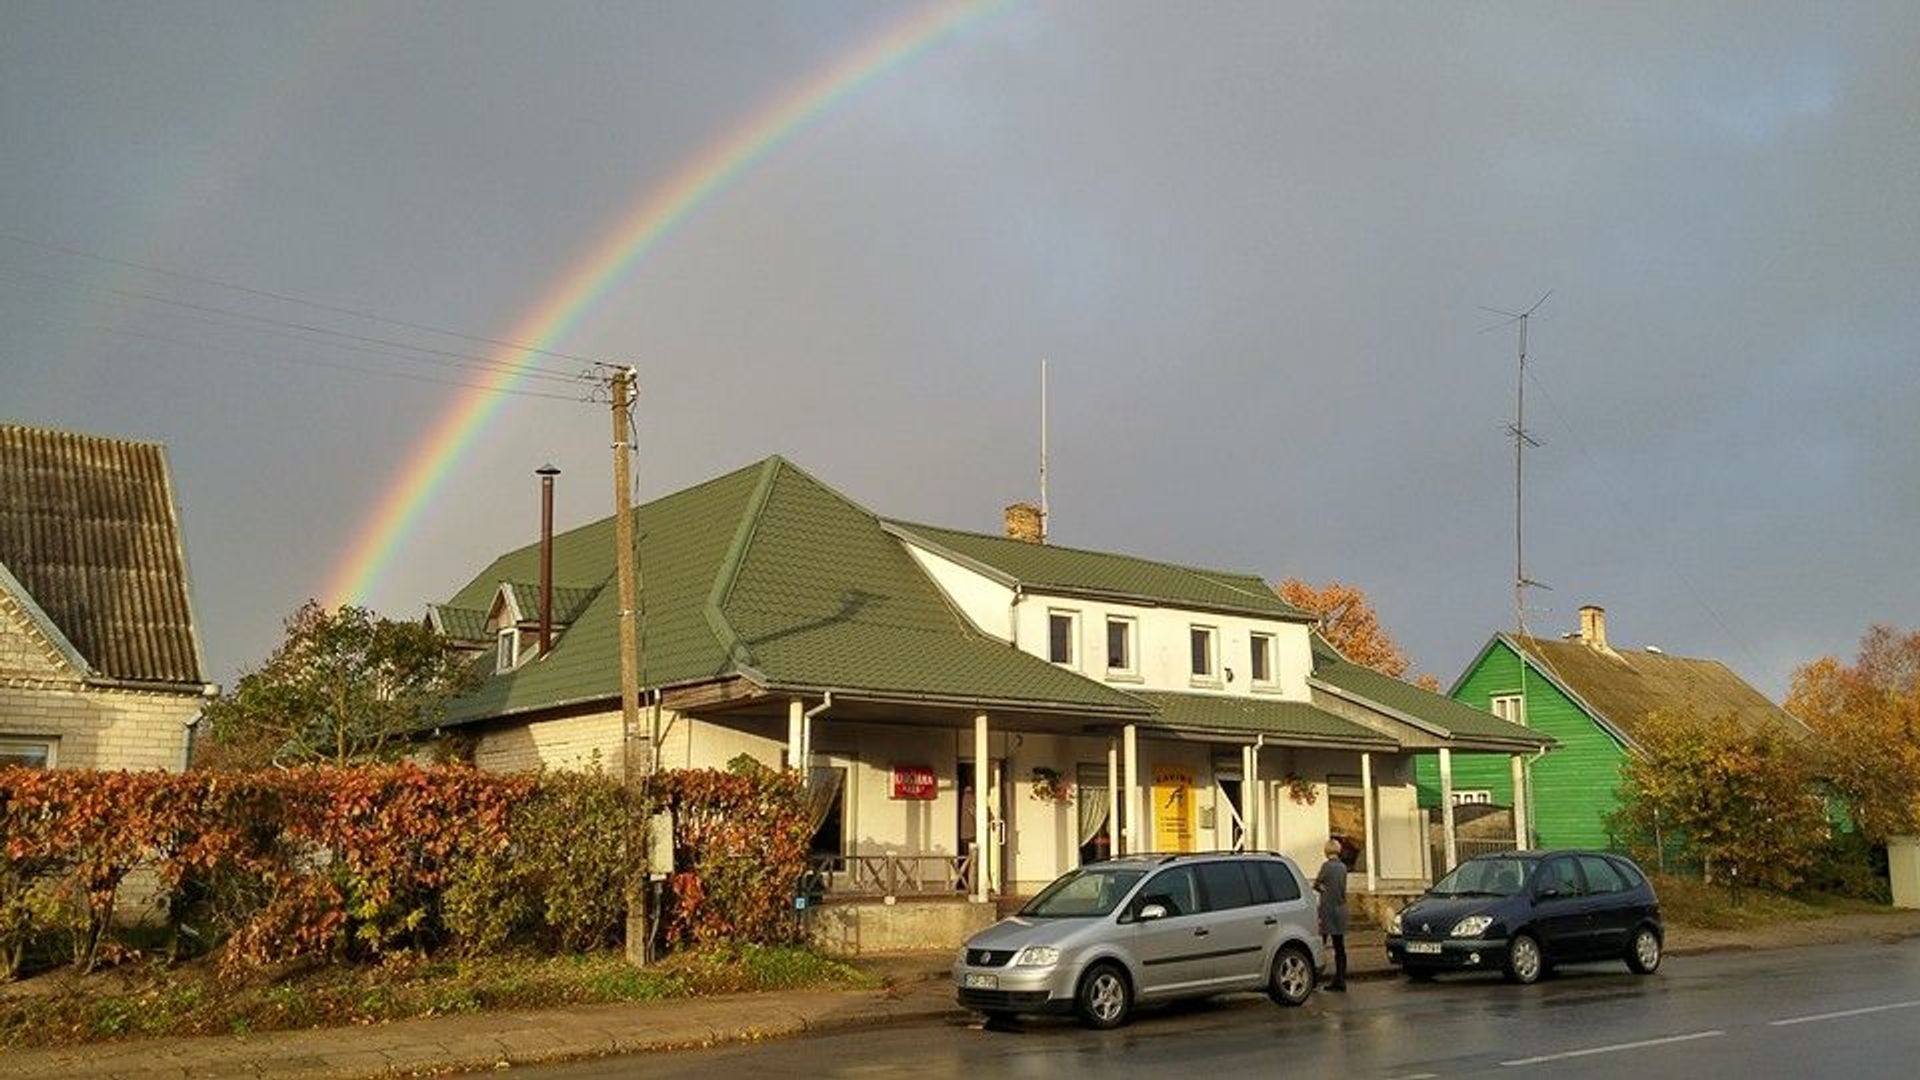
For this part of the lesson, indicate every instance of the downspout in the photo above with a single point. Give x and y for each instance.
(806, 730)
(1013, 617)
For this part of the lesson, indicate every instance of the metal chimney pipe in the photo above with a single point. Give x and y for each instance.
(546, 474)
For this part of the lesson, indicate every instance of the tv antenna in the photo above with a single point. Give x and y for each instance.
(1043, 450)
(1521, 440)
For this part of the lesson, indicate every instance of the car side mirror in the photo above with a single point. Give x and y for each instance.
(1151, 912)
(1547, 892)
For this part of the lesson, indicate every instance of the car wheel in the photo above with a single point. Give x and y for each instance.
(1291, 981)
(1525, 963)
(1105, 997)
(1643, 958)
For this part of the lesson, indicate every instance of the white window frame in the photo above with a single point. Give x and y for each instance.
(1212, 676)
(1272, 653)
(1072, 662)
(506, 646)
(1473, 797)
(1132, 668)
(1516, 708)
(45, 742)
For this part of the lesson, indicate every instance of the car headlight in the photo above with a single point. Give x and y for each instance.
(1471, 926)
(1393, 924)
(1038, 956)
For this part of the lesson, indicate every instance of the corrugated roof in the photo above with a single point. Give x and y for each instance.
(1296, 720)
(1625, 686)
(88, 526)
(1049, 566)
(1451, 718)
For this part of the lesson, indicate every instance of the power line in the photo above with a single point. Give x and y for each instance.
(289, 298)
(528, 370)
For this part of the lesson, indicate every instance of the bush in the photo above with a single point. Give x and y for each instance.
(740, 851)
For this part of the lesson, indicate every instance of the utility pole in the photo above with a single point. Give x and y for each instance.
(638, 892)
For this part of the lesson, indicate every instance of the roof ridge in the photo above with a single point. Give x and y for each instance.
(1201, 571)
(728, 572)
(71, 434)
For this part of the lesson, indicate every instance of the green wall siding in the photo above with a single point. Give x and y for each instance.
(1575, 786)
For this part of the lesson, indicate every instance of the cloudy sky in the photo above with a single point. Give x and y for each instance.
(1253, 240)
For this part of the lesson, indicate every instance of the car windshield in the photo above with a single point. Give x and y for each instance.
(1084, 894)
(1483, 877)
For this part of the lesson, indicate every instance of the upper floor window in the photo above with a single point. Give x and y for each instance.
(1120, 659)
(25, 751)
(1060, 637)
(1206, 660)
(506, 652)
(1260, 662)
(1509, 707)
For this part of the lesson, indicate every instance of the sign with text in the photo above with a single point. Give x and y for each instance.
(1172, 808)
(914, 782)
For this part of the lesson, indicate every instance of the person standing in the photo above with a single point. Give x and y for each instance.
(1331, 884)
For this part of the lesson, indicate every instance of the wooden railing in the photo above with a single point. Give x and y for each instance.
(842, 876)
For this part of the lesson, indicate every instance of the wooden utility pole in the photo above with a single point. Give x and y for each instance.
(638, 893)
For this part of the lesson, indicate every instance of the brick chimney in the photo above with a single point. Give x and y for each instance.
(1593, 627)
(1023, 523)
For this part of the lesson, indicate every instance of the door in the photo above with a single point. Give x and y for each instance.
(992, 859)
(1347, 823)
(1230, 832)
(1610, 907)
(1238, 922)
(1172, 951)
(1560, 911)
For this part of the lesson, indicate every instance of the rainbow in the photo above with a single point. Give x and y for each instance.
(640, 230)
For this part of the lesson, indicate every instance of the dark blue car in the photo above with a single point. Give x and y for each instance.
(1521, 912)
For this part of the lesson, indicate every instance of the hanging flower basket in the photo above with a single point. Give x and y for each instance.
(1300, 789)
(1050, 786)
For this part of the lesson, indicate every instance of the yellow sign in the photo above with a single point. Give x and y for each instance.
(1172, 808)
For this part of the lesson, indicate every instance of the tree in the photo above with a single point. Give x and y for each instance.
(345, 686)
(1868, 718)
(1348, 621)
(1745, 803)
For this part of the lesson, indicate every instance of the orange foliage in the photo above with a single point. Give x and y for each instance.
(1868, 715)
(1347, 619)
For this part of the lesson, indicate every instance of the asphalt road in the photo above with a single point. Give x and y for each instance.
(1840, 1010)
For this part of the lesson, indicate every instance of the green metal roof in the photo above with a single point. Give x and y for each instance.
(1049, 566)
(1293, 720)
(460, 624)
(768, 573)
(1449, 718)
(568, 601)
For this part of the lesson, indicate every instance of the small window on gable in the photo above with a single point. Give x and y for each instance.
(1061, 626)
(1120, 646)
(1509, 707)
(1205, 660)
(506, 655)
(1260, 663)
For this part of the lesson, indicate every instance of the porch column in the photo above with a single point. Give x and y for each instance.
(1367, 813)
(796, 716)
(1446, 810)
(1113, 798)
(1246, 797)
(982, 838)
(1257, 822)
(1519, 802)
(1130, 752)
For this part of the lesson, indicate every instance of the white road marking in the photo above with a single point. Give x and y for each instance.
(1844, 1013)
(1615, 1048)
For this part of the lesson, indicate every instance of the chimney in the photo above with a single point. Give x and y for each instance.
(1593, 626)
(1023, 523)
(546, 474)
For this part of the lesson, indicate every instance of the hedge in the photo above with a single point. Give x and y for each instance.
(354, 864)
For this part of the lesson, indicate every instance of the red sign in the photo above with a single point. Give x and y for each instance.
(914, 782)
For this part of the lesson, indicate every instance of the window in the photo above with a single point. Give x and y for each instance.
(1060, 635)
(1629, 873)
(1226, 885)
(1260, 664)
(1509, 707)
(1120, 646)
(1175, 889)
(506, 654)
(1280, 884)
(1204, 668)
(1480, 797)
(827, 810)
(1563, 875)
(26, 752)
(1602, 877)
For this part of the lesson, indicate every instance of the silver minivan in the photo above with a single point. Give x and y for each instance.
(1143, 928)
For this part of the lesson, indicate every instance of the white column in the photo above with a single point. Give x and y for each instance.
(982, 838)
(1519, 802)
(1446, 810)
(1257, 827)
(796, 716)
(1130, 753)
(1367, 818)
(1113, 797)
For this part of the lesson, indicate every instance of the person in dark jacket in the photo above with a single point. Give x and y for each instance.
(1331, 884)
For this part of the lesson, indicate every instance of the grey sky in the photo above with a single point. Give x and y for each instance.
(1251, 238)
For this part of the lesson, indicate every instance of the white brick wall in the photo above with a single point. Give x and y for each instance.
(572, 743)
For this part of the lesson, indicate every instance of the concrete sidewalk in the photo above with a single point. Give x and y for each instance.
(916, 989)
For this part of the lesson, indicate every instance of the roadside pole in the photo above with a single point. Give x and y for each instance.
(622, 383)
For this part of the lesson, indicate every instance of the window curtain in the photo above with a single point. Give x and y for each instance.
(1093, 802)
(823, 785)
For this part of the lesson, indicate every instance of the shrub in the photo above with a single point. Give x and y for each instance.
(740, 850)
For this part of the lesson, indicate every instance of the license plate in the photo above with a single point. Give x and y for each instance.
(1425, 948)
(981, 982)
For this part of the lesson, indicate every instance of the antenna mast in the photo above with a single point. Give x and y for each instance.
(1043, 450)
(1521, 440)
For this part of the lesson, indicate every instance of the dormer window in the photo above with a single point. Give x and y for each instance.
(506, 655)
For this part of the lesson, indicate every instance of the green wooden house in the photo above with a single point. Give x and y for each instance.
(1589, 697)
